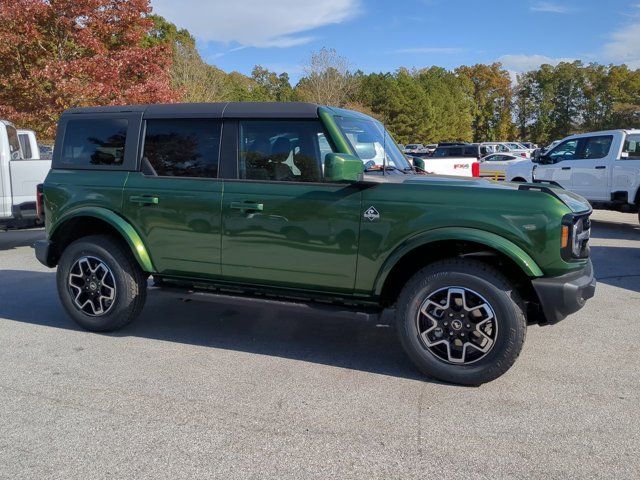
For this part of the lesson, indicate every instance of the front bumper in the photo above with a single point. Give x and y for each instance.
(44, 253)
(564, 295)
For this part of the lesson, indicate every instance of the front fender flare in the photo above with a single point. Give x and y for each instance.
(491, 240)
(123, 227)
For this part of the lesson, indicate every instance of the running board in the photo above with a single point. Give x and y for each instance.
(318, 308)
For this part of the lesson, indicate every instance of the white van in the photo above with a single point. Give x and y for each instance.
(18, 179)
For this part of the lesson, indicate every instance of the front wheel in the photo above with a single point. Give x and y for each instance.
(99, 283)
(461, 321)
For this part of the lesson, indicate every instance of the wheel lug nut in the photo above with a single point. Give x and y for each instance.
(462, 334)
(468, 326)
(451, 314)
(446, 324)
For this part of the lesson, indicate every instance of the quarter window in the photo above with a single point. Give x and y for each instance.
(94, 142)
(282, 150)
(181, 148)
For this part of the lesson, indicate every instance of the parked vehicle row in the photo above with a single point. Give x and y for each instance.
(21, 170)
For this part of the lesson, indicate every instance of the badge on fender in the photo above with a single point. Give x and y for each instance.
(371, 214)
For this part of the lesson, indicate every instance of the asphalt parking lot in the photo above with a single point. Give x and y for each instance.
(200, 390)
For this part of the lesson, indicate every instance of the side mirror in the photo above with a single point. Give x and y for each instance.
(418, 162)
(342, 167)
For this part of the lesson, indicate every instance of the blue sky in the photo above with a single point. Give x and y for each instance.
(378, 35)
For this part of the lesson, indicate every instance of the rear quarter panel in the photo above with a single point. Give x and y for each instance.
(69, 190)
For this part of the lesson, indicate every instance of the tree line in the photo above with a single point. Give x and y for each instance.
(56, 54)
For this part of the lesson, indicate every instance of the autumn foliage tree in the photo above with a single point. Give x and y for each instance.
(56, 54)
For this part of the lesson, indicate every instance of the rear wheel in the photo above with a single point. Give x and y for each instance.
(99, 283)
(461, 321)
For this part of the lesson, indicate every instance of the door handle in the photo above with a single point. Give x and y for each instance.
(601, 167)
(566, 168)
(247, 206)
(144, 199)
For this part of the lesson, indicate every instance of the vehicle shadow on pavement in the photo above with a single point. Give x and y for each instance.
(282, 332)
(615, 230)
(617, 266)
(11, 239)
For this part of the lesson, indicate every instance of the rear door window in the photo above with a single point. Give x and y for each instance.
(595, 147)
(631, 149)
(94, 143)
(14, 143)
(187, 147)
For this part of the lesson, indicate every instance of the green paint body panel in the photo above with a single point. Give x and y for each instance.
(75, 194)
(310, 237)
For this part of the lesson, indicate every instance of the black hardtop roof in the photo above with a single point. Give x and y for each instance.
(215, 110)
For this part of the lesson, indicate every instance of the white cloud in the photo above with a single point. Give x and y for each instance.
(624, 46)
(431, 50)
(524, 63)
(549, 7)
(255, 23)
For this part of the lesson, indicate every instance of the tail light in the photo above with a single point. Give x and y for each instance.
(39, 202)
(475, 169)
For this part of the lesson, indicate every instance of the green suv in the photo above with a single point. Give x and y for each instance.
(295, 202)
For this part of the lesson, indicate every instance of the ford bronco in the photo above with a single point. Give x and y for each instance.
(295, 202)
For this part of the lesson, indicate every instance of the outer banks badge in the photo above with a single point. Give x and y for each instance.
(372, 214)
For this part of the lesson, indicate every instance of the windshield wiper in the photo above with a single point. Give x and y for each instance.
(380, 168)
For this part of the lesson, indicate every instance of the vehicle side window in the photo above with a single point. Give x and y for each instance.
(631, 147)
(282, 150)
(186, 147)
(470, 151)
(596, 147)
(94, 142)
(14, 143)
(564, 151)
(26, 146)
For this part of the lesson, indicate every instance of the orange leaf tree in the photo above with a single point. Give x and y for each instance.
(56, 54)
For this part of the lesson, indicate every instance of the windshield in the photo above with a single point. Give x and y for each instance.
(371, 142)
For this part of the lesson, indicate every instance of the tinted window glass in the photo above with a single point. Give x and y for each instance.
(470, 151)
(596, 147)
(98, 142)
(631, 147)
(181, 147)
(14, 143)
(282, 150)
(26, 145)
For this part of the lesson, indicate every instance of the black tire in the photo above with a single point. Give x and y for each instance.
(496, 291)
(128, 279)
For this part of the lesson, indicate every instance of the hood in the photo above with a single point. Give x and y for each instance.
(573, 201)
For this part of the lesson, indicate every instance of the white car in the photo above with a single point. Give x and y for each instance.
(495, 166)
(509, 147)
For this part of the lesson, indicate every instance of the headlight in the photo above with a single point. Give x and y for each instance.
(576, 232)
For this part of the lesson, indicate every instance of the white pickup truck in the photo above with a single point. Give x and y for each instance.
(459, 159)
(603, 167)
(18, 179)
